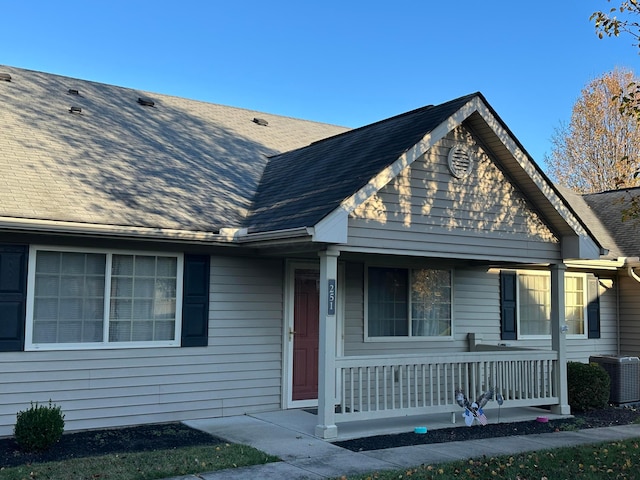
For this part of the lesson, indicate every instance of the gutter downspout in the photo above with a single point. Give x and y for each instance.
(617, 316)
(632, 274)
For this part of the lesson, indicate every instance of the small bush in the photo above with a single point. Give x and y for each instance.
(588, 386)
(39, 427)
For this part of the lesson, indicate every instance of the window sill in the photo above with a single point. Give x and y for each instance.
(98, 346)
(407, 339)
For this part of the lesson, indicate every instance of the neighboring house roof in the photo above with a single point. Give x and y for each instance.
(609, 207)
(594, 217)
(181, 164)
(604, 213)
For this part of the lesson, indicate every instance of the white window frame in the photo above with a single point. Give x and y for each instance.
(407, 338)
(104, 344)
(584, 302)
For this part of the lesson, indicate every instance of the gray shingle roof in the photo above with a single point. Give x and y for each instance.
(609, 208)
(181, 164)
(300, 187)
(593, 221)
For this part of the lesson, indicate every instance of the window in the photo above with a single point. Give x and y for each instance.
(91, 299)
(535, 304)
(408, 302)
(534, 300)
(575, 305)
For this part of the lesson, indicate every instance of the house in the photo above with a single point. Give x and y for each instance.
(165, 259)
(608, 218)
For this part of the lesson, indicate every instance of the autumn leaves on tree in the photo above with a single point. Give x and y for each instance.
(599, 148)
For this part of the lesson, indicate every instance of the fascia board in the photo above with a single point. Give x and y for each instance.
(78, 228)
(597, 264)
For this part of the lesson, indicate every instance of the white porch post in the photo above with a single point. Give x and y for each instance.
(559, 337)
(326, 427)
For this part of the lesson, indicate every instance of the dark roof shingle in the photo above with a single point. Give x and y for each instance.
(299, 188)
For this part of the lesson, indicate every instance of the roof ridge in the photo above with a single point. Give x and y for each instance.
(384, 120)
(155, 94)
(613, 190)
(400, 115)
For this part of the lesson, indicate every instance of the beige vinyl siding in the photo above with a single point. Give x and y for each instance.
(239, 372)
(354, 311)
(580, 350)
(428, 211)
(477, 304)
(476, 309)
(629, 316)
(246, 324)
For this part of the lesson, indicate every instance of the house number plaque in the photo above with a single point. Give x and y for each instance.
(331, 306)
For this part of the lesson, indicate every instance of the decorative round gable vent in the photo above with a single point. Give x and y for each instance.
(460, 161)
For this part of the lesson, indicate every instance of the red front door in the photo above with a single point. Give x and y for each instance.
(305, 337)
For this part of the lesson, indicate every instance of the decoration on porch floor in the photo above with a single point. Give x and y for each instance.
(473, 412)
(500, 401)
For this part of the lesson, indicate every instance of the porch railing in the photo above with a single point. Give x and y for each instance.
(390, 386)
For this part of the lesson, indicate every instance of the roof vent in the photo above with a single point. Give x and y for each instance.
(5, 77)
(260, 121)
(75, 110)
(73, 91)
(460, 161)
(147, 102)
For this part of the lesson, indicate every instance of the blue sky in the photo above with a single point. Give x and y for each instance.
(343, 62)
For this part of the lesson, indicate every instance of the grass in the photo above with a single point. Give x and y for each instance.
(143, 465)
(607, 460)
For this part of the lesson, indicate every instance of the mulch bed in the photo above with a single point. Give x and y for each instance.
(101, 442)
(606, 417)
(173, 435)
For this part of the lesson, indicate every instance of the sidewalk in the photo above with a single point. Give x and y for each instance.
(307, 457)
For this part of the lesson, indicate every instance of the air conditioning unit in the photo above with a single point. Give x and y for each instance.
(625, 377)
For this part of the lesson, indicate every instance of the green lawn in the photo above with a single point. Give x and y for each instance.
(143, 465)
(607, 460)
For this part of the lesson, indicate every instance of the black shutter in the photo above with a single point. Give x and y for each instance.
(13, 293)
(195, 301)
(593, 307)
(508, 306)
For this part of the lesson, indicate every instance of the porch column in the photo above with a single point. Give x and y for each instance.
(326, 427)
(559, 338)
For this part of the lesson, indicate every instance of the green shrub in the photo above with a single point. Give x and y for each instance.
(39, 427)
(588, 386)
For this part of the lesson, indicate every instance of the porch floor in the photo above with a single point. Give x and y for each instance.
(303, 422)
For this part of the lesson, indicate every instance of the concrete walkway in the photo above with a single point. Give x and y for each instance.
(307, 457)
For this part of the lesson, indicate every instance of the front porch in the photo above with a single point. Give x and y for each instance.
(303, 421)
(381, 386)
(401, 390)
